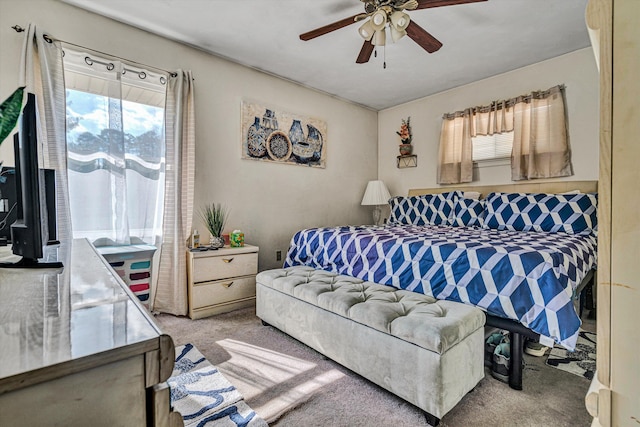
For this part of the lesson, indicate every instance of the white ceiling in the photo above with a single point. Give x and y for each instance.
(479, 40)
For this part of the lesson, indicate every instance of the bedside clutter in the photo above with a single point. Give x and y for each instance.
(221, 280)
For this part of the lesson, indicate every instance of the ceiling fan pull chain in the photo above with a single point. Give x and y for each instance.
(384, 59)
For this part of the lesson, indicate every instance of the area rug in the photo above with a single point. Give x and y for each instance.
(581, 362)
(204, 397)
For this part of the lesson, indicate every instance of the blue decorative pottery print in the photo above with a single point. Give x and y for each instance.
(300, 148)
(314, 140)
(296, 134)
(269, 134)
(256, 138)
(269, 121)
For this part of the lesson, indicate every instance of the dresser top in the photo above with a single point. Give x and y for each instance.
(50, 319)
(225, 251)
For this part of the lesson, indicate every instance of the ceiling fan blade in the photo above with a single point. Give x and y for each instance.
(328, 28)
(423, 38)
(365, 52)
(425, 4)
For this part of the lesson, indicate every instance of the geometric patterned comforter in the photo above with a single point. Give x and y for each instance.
(525, 276)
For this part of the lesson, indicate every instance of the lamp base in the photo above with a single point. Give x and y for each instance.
(376, 215)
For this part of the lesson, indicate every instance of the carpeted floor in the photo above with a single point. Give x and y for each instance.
(289, 384)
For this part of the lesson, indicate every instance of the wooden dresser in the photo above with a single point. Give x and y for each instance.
(78, 349)
(221, 280)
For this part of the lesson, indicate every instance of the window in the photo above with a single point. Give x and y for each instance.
(492, 147)
(115, 143)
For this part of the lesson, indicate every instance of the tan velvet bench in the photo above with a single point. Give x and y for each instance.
(426, 351)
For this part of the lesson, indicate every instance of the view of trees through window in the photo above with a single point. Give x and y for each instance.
(88, 126)
(86, 138)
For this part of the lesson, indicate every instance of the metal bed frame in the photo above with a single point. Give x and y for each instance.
(519, 333)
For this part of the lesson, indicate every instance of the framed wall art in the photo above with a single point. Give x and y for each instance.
(272, 135)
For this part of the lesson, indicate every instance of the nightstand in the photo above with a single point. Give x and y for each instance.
(221, 280)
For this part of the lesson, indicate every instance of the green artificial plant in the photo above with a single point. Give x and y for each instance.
(214, 217)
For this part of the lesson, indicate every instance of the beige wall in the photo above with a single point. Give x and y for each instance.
(269, 202)
(576, 70)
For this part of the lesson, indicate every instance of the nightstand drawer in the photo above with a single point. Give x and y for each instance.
(223, 291)
(224, 266)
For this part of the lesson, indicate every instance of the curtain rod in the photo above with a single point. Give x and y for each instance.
(50, 39)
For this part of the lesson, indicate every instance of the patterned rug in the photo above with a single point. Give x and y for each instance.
(204, 397)
(581, 362)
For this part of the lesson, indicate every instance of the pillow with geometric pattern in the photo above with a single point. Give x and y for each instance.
(565, 213)
(427, 209)
(467, 213)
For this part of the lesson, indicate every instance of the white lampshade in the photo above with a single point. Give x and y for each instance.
(400, 20)
(366, 30)
(379, 38)
(376, 194)
(397, 34)
(379, 19)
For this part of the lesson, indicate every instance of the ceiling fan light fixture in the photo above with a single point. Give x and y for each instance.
(366, 30)
(379, 19)
(396, 34)
(379, 38)
(399, 20)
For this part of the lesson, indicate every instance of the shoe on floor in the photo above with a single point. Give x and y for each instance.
(535, 348)
(490, 346)
(501, 361)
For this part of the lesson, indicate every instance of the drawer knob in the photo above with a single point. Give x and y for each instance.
(227, 260)
(227, 285)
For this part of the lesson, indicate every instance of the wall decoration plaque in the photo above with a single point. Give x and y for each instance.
(272, 135)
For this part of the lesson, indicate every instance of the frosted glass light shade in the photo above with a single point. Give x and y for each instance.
(397, 34)
(400, 20)
(366, 30)
(379, 38)
(379, 19)
(376, 194)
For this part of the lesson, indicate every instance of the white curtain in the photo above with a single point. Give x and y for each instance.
(540, 144)
(455, 161)
(455, 164)
(541, 139)
(115, 140)
(492, 119)
(170, 293)
(42, 73)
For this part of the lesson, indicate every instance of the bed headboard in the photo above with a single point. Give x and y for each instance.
(525, 187)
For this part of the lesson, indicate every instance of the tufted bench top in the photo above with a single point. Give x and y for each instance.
(432, 324)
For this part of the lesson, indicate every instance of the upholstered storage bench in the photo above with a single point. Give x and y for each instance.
(426, 351)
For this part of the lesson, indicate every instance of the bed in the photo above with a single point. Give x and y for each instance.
(522, 254)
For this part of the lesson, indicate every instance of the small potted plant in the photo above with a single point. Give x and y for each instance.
(405, 137)
(214, 217)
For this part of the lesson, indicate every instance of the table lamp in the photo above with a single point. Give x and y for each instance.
(376, 195)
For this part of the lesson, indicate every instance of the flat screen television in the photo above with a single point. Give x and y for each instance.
(35, 200)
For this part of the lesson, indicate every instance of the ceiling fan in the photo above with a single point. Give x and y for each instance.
(389, 14)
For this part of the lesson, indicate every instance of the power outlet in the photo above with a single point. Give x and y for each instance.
(278, 255)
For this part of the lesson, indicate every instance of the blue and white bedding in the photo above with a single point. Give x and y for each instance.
(525, 276)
